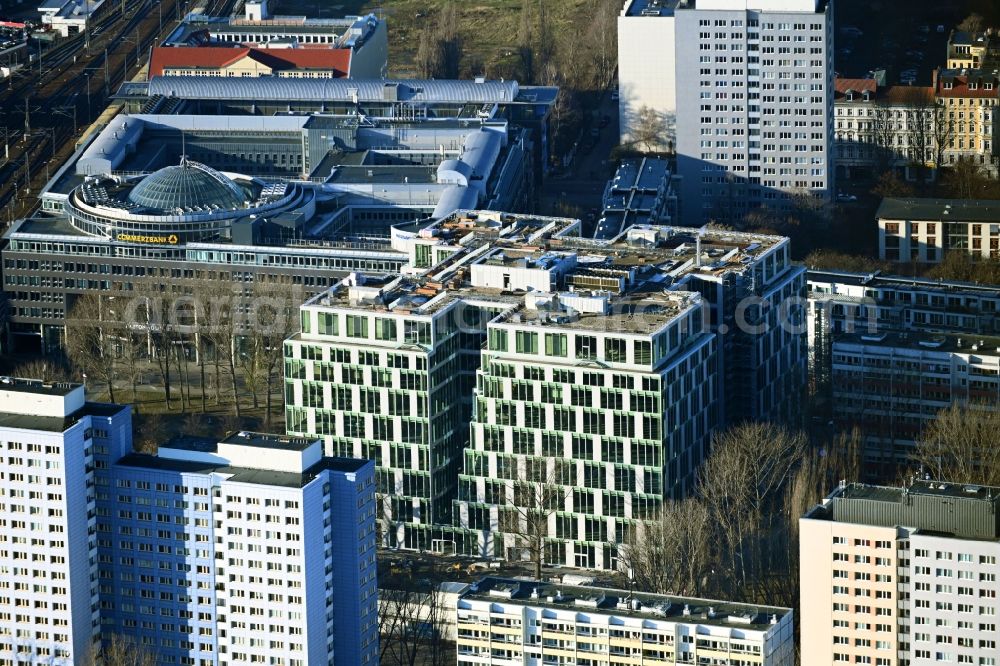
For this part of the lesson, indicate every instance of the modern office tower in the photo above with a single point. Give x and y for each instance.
(891, 386)
(590, 409)
(754, 120)
(924, 230)
(502, 621)
(255, 546)
(51, 447)
(888, 352)
(588, 363)
(900, 576)
(647, 81)
(383, 368)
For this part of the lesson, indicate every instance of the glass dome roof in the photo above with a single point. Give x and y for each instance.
(187, 185)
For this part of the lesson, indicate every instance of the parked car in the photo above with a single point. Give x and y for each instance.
(846, 198)
(940, 29)
(614, 94)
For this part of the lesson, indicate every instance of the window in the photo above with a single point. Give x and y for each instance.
(385, 329)
(614, 350)
(327, 323)
(586, 346)
(555, 344)
(643, 351)
(526, 343)
(498, 340)
(357, 327)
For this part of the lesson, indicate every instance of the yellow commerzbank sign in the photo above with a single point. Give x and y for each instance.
(143, 238)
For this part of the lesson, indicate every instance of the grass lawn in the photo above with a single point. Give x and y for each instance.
(489, 28)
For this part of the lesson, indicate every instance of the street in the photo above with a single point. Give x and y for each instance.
(579, 189)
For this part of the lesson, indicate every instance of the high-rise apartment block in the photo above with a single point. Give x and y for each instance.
(752, 98)
(901, 576)
(504, 621)
(52, 443)
(513, 359)
(255, 547)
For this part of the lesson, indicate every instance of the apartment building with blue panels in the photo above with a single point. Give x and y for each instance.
(250, 549)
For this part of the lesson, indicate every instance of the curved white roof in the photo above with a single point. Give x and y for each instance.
(455, 198)
(367, 90)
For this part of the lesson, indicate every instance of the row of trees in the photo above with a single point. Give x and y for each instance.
(228, 335)
(734, 537)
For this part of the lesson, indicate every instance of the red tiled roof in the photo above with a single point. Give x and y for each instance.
(841, 86)
(214, 57)
(909, 95)
(960, 80)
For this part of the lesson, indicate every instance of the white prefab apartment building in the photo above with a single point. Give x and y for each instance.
(751, 98)
(901, 576)
(49, 606)
(646, 72)
(514, 358)
(256, 547)
(501, 621)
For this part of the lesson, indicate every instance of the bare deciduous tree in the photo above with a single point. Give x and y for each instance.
(672, 553)
(90, 342)
(44, 369)
(743, 482)
(121, 651)
(960, 445)
(942, 133)
(972, 23)
(533, 500)
(648, 131)
(412, 627)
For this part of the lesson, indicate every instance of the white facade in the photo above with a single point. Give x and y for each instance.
(503, 622)
(646, 75)
(48, 551)
(754, 107)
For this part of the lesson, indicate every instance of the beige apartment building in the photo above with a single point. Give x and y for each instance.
(900, 576)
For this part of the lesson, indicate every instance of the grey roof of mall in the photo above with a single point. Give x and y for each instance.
(329, 90)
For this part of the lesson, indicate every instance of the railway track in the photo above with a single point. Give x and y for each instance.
(73, 79)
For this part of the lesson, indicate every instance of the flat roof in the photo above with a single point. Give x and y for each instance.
(268, 440)
(969, 343)
(943, 210)
(23, 385)
(242, 474)
(579, 598)
(638, 311)
(284, 89)
(58, 423)
(876, 280)
(943, 508)
(651, 7)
